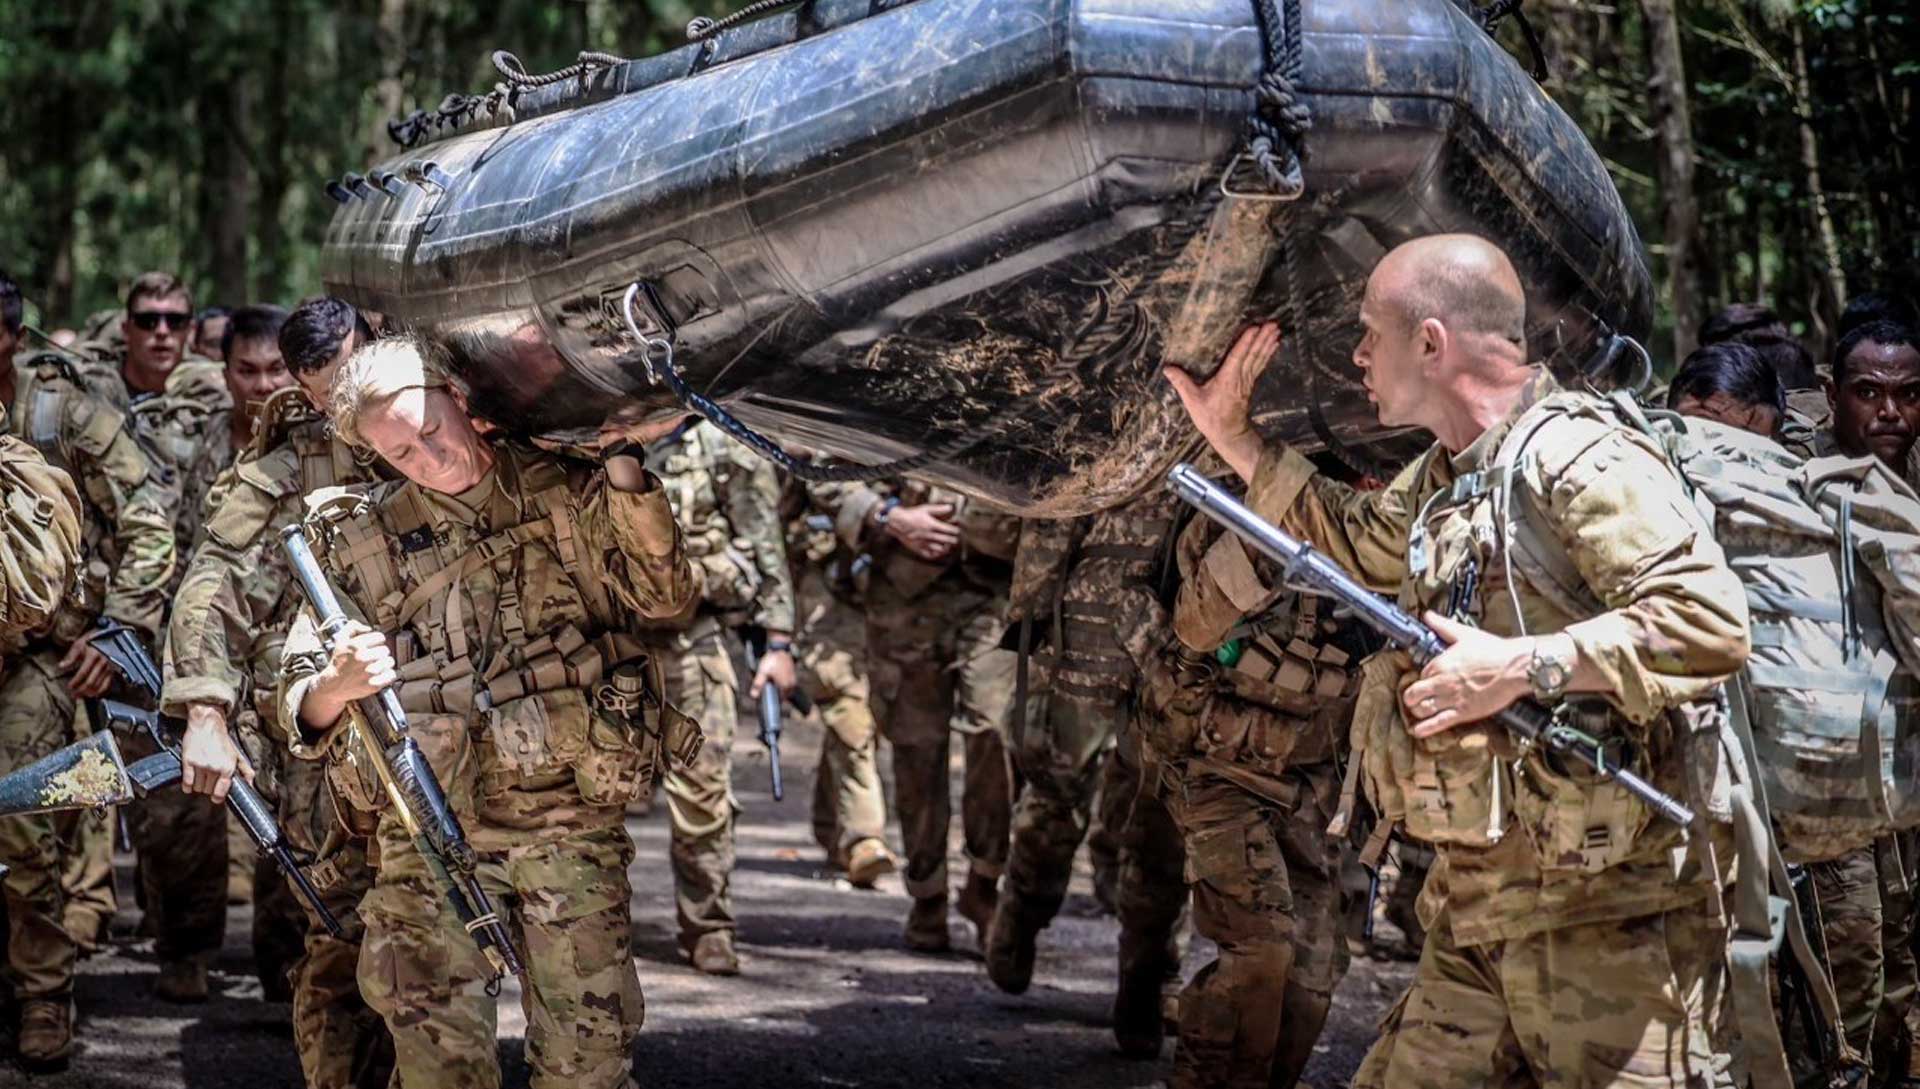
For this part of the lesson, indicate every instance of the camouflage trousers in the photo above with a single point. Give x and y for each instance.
(182, 843)
(1865, 904)
(567, 905)
(1149, 871)
(849, 804)
(1058, 754)
(1626, 1004)
(342, 1043)
(91, 899)
(937, 671)
(37, 718)
(1265, 884)
(702, 683)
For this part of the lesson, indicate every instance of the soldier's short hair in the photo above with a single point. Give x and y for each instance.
(1887, 334)
(1738, 370)
(315, 331)
(379, 372)
(1758, 327)
(158, 285)
(252, 323)
(13, 308)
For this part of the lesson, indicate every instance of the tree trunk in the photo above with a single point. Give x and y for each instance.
(1833, 277)
(232, 191)
(272, 152)
(391, 91)
(1676, 154)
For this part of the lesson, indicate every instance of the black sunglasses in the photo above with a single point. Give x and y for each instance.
(151, 319)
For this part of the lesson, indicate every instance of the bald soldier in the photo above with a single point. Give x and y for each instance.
(1575, 941)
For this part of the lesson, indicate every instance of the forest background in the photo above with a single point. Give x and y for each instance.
(1765, 147)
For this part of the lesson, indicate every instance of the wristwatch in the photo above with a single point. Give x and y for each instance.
(886, 510)
(778, 646)
(1548, 673)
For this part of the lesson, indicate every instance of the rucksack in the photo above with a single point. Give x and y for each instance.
(1829, 552)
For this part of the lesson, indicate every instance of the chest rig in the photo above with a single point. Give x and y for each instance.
(1472, 549)
(428, 578)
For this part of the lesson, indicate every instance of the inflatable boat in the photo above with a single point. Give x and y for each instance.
(878, 229)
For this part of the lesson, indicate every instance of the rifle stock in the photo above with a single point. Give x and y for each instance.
(408, 779)
(1527, 719)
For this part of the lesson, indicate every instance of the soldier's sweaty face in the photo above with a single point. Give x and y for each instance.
(425, 433)
(1876, 402)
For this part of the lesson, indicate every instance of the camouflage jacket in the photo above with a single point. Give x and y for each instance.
(727, 500)
(40, 537)
(128, 498)
(507, 604)
(204, 450)
(989, 538)
(1667, 624)
(238, 598)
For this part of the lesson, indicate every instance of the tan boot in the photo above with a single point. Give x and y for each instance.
(713, 954)
(868, 861)
(46, 1034)
(183, 981)
(976, 905)
(927, 925)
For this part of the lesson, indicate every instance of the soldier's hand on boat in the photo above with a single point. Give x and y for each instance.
(926, 531)
(618, 431)
(1478, 676)
(209, 758)
(89, 673)
(1219, 407)
(360, 665)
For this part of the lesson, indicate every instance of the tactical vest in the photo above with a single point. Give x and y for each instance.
(1473, 544)
(579, 701)
(697, 476)
(1278, 692)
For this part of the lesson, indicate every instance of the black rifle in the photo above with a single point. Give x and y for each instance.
(411, 787)
(770, 717)
(123, 648)
(1527, 720)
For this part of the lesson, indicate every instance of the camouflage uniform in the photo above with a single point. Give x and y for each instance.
(1586, 950)
(933, 636)
(40, 539)
(1073, 584)
(727, 501)
(128, 545)
(535, 581)
(223, 648)
(849, 803)
(1248, 744)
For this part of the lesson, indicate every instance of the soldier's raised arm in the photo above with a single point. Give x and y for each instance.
(631, 540)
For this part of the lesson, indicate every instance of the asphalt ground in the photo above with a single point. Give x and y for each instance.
(829, 996)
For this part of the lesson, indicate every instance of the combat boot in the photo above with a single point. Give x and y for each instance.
(868, 861)
(1140, 1007)
(1010, 947)
(183, 981)
(927, 925)
(46, 1034)
(713, 954)
(975, 905)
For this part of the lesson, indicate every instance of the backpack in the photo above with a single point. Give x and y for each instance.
(40, 539)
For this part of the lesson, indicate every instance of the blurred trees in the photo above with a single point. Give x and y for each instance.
(1764, 146)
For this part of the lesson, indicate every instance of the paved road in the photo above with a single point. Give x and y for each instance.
(830, 997)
